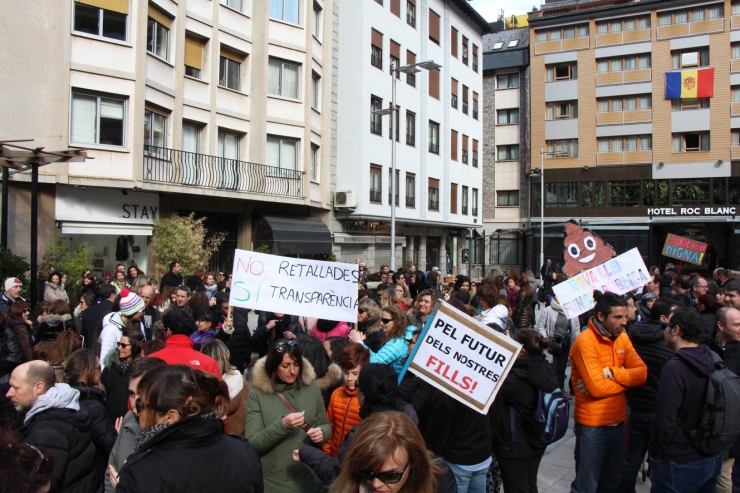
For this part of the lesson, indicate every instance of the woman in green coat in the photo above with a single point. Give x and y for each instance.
(274, 429)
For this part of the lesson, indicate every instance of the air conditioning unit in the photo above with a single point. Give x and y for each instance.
(345, 200)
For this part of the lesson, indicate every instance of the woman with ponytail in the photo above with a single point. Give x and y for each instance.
(182, 445)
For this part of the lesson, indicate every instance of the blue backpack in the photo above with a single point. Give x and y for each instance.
(549, 420)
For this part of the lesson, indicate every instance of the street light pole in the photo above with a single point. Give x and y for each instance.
(542, 208)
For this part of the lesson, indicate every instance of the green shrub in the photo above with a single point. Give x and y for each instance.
(183, 239)
(70, 262)
(12, 265)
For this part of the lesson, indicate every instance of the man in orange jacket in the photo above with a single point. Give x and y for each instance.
(603, 366)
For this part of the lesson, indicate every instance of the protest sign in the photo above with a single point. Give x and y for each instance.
(618, 275)
(462, 357)
(684, 249)
(295, 286)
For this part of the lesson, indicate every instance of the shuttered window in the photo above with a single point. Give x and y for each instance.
(395, 49)
(396, 8)
(433, 26)
(453, 198)
(193, 52)
(434, 83)
(376, 39)
(120, 6)
(453, 42)
(159, 16)
(453, 145)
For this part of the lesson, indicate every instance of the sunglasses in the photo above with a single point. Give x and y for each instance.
(122, 345)
(386, 320)
(280, 347)
(389, 477)
(361, 311)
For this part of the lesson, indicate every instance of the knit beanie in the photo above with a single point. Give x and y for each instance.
(130, 303)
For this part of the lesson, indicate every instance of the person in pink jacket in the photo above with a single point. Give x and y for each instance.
(330, 328)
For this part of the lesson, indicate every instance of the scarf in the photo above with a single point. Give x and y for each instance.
(556, 306)
(201, 336)
(125, 365)
(602, 330)
(145, 435)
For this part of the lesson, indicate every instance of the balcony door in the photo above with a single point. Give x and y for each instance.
(227, 168)
(187, 172)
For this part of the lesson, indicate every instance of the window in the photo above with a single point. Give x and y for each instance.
(513, 43)
(411, 14)
(689, 104)
(497, 45)
(475, 153)
(158, 34)
(561, 194)
(507, 198)
(630, 62)
(567, 32)
(97, 120)
(191, 137)
(229, 70)
(507, 152)
(395, 63)
(107, 23)
(564, 109)
(736, 94)
(691, 142)
(282, 153)
(465, 200)
(397, 123)
(282, 79)
(625, 103)
(628, 143)
(691, 15)
(508, 117)
(376, 54)
(315, 91)
(228, 145)
(410, 60)
(433, 137)
(562, 71)
(410, 190)
(735, 138)
(507, 81)
(284, 10)
(155, 130)
(410, 128)
(193, 56)
(314, 170)
(475, 202)
(390, 185)
(433, 194)
(465, 50)
(434, 26)
(475, 105)
(316, 21)
(736, 9)
(453, 96)
(465, 100)
(562, 148)
(629, 24)
(465, 140)
(233, 4)
(227, 167)
(434, 83)
(453, 42)
(475, 58)
(453, 145)
(453, 198)
(376, 183)
(376, 120)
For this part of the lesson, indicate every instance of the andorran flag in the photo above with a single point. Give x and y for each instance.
(683, 84)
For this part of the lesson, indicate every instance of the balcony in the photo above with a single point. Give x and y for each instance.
(624, 77)
(376, 60)
(735, 152)
(624, 157)
(434, 148)
(175, 167)
(410, 139)
(375, 195)
(735, 22)
(376, 127)
(465, 156)
(691, 28)
(623, 37)
(453, 101)
(410, 201)
(560, 45)
(622, 117)
(735, 65)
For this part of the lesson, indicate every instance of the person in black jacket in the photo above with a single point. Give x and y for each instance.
(11, 354)
(518, 454)
(82, 373)
(238, 340)
(274, 326)
(182, 445)
(53, 422)
(648, 340)
(675, 465)
(92, 316)
(116, 363)
(173, 277)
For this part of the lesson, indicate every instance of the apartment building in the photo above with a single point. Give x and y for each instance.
(620, 154)
(223, 108)
(438, 136)
(506, 154)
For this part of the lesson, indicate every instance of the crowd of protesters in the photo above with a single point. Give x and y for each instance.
(141, 386)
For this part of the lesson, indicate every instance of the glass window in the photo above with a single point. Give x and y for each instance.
(645, 102)
(643, 22)
(603, 105)
(234, 4)
(97, 120)
(157, 39)
(631, 143)
(629, 24)
(410, 190)
(228, 145)
(736, 9)
(583, 30)
(603, 144)
(508, 152)
(735, 94)
(284, 10)
(375, 184)
(681, 17)
(541, 36)
(229, 73)
(617, 104)
(282, 79)
(282, 153)
(508, 81)
(617, 144)
(602, 28)
(646, 142)
(314, 171)
(697, 14)
(630, 63)
(616, 26)
(555, 35)
(507, 198)
(99, 22)
(664, 19)
(735, 51)
(602, 66)
(616, 65)
(569, 32)
(190, 137)
(316, 91)
(434, 137)
(630, 103)
(715, 12)
(316, 22)
(154, 130)
(410, 128)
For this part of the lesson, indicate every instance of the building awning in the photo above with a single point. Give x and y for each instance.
(293, 235)
(80, 228)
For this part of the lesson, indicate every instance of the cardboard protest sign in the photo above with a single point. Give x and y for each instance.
(584, 249)
(685, 249)
(619, 275)
(462, 357)
(295, 286)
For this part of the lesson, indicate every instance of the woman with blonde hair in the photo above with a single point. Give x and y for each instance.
(139, 282)
(238, 386)
(388, 454)
(395, 341)
(368, 323)
(390, 297)
(403, 292)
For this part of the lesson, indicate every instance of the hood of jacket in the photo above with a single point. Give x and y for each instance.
(646, 331)
(495, 315)
(195, 430)
(261, 380)
(60, 396)
(88, 393)
(55, 319)
(370, 326)
(536, 371)
(700, 358)
(53, 286)
(332, 377)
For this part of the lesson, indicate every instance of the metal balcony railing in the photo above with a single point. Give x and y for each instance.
(175, 167)
(465, 156)
(411, 79)
(453, 100)
(465, 107)
(389, 199)
(475, 159)
(475, 211)
(410, 201)
(433, 205)
(376, 127)
(410, 139)
(434, 148)
(375, 195)
(411, 19)
(376, 60)
(465, 210)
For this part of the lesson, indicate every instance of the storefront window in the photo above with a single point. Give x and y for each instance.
(507, 249)
(561, 194)
(691, 192)
(624, 193)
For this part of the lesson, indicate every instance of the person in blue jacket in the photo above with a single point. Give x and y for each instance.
(395, 340)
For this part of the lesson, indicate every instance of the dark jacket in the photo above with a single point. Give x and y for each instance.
(519, 392)
(66, 434)
(170, 279)
(239, 342)
(730, 354)
(6, 301)
(262, 336)
(419, 394)
(373, 334)
(649, 342)
(683, 385)
(10, 351)
(457, 433)
(523, 317)
(116, 385)
(102, 432)
(91, 317)
(50, 326)
(193, 455)
(24, 337)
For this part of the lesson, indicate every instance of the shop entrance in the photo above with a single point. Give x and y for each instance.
(223, 259)
(432, 253)
(717, 235)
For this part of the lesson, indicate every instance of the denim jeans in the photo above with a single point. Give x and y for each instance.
(469, 481)
(638, 436)
(599, 453)
(693, 477)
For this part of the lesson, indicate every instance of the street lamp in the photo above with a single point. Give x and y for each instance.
(541, 174)
(409, 70)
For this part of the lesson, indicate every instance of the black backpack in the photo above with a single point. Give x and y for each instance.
(719, 426)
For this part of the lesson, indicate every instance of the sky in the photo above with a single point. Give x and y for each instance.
(490, 9)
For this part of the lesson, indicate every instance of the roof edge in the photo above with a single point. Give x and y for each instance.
(474, 15)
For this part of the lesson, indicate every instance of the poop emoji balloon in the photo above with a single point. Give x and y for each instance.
(583, 249)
